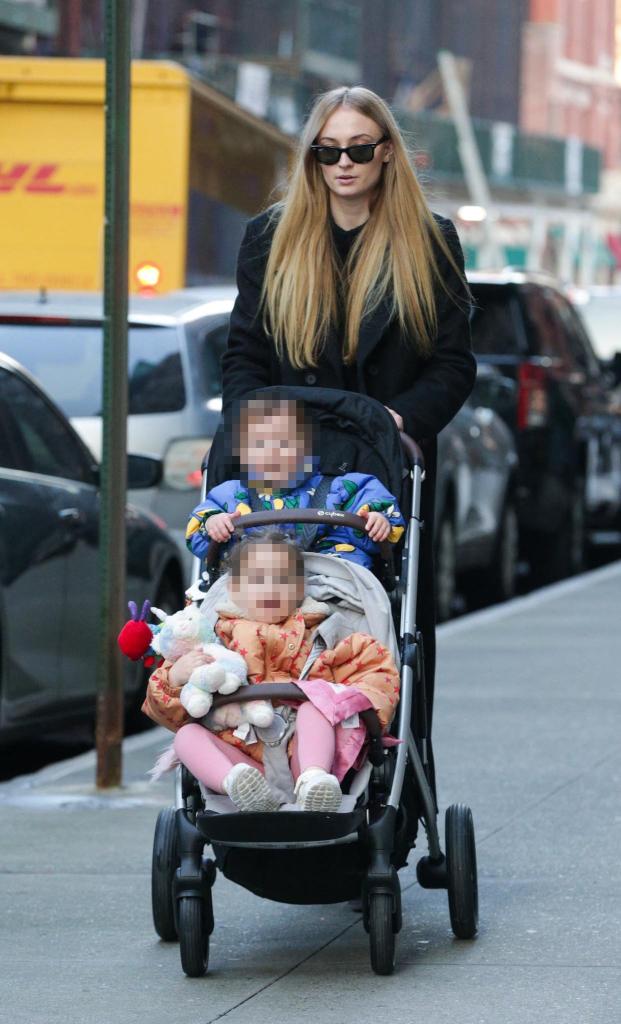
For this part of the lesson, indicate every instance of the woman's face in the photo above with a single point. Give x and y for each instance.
(347, 180)
(267, 588)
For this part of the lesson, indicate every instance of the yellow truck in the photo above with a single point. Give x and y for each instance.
(188, 142)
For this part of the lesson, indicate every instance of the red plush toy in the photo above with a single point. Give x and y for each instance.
(136, 636)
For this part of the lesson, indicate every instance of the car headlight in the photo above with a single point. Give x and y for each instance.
(182, 462)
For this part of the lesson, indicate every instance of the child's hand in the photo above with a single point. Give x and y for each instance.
(180, 672)
(221, 526)
(377, 526)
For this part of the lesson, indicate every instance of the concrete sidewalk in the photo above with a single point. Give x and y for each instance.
(527, 723)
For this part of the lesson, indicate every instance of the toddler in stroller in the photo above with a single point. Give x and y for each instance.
(274, 442)
(302, 856)
(282, 636)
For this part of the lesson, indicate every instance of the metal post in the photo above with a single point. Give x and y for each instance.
(472, 164)
(109, 732)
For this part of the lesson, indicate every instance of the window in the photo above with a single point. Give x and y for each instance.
(559, 332)
(577, 338)
(212, 349)
(549, 337)
(42, 442)
(67, 360)
(494, 322)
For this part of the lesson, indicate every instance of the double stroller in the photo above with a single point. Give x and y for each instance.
(356, 853)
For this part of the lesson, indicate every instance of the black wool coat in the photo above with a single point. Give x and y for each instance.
(425, 392)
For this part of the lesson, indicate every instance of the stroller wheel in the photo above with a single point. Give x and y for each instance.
(163, 866)
(193, 935)
(381, 934)
(461, 864)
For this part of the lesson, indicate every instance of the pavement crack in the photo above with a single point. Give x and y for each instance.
(294, 967)
(290, 970)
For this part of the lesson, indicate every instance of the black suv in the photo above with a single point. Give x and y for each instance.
(556, 398)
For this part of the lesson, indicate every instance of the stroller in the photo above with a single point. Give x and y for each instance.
(356, 853)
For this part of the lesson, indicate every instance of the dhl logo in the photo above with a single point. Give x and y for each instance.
(38, 178)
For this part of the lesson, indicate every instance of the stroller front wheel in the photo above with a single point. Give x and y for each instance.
(381, 933)
(193, 935)
(163, 866)
(461, 865)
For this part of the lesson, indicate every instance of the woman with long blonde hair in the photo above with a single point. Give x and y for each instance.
(351, 282)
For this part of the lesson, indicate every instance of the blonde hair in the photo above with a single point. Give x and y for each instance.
(392, 255)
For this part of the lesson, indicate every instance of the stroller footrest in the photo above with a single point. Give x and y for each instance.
(280, 828)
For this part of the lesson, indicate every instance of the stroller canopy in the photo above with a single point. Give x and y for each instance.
(357, 434)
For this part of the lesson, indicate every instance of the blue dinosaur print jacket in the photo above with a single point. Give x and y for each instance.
(351, 493)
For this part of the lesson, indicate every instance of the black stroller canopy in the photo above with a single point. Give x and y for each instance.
(357, 434)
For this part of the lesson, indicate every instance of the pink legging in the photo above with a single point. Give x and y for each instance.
(210, 759)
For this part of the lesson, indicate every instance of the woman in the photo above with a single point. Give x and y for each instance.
(351, 282)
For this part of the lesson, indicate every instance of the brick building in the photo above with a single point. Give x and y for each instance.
(569, 85)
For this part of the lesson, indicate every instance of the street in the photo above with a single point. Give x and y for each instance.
(526, 732)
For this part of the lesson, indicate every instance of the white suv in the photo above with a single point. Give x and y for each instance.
(175, 344)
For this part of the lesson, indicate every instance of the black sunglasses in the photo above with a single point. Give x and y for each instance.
(360, 154)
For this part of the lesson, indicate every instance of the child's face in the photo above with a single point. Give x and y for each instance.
(273, 451)
(267, 589)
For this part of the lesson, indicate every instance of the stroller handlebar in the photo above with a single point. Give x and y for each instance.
(292, 692)
(295, 515)
(413, 450)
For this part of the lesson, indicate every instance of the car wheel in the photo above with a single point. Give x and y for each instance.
(446, 568)
(499, 579)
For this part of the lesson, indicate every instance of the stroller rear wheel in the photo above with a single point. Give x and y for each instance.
(381, 932)
(461, 864)
(193, 935)
(163, 866)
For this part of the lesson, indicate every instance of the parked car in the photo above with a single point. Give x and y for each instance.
(175, 343)
(560, 409)
(476, 530)
(49, 599)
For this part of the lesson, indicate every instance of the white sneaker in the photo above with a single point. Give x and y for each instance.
(316, 790)
(247, 788)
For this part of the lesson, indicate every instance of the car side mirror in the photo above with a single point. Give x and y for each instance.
(143, 471)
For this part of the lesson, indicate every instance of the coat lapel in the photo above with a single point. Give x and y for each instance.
(372, 329)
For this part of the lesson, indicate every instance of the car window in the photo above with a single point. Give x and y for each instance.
(558, 331)
(40, 440)
(66, 359)
(212, 350)
(577, 338)
(494, 322)
(549, 332)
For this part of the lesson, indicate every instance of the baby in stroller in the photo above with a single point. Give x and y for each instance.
(266, 618)
(276, 450)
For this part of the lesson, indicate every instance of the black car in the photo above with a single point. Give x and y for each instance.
(49, 600)
(559, 409)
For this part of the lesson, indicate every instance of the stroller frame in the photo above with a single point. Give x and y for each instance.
(182, 877)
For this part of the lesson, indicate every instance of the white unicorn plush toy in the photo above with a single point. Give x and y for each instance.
(185, 631)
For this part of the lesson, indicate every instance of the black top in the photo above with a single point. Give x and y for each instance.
(343, 241)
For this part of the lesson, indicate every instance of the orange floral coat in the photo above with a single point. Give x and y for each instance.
(277, 653)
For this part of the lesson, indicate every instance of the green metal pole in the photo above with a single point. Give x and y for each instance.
(109, 731)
